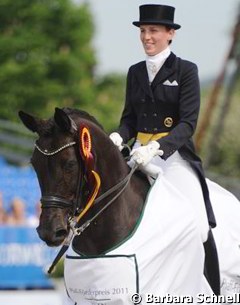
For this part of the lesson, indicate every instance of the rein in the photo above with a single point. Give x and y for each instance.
(79, 230)
(59, 202)
(124, 183)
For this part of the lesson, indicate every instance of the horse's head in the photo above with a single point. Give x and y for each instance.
(58, 162)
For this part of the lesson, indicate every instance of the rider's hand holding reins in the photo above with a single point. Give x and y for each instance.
(117, 140)
(144, 154)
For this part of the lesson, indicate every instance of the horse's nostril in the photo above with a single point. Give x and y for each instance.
(61, 233)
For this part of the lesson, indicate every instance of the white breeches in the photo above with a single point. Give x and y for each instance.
(179, 173)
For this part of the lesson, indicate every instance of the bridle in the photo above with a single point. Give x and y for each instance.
(50, 201)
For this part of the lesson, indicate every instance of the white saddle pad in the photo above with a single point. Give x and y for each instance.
(163, 255)
(104, 280)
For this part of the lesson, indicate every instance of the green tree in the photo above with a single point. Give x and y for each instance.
(46, 56)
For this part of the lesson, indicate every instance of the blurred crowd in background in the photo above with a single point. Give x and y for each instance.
(19, 196)
(17, 214)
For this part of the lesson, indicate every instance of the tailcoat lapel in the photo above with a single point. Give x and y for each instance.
(142, 77)
(165, 72)
(168, 68)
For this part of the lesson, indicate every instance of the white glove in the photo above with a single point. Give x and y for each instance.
(117, 140)
(144, 154)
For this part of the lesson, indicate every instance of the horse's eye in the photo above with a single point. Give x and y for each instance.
(70, 165)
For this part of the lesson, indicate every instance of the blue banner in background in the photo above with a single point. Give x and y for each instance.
(24, 259)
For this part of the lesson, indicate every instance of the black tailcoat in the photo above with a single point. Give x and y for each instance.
(170, 104)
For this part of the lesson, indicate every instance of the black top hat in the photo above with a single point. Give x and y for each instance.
(157, 14)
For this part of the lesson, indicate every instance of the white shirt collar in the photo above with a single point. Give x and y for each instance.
(155, 62)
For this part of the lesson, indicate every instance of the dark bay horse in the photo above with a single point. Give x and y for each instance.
(83, 177)
(63, 179)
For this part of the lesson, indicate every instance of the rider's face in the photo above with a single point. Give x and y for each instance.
(155, 38)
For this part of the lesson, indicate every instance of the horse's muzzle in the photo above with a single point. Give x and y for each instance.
(53, 238)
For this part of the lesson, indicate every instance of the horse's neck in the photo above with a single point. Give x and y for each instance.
(112, 170)
(118, 220)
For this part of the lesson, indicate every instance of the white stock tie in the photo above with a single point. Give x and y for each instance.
(153, 71)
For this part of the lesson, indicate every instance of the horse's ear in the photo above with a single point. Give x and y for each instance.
(64, 121)
(29, 121)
